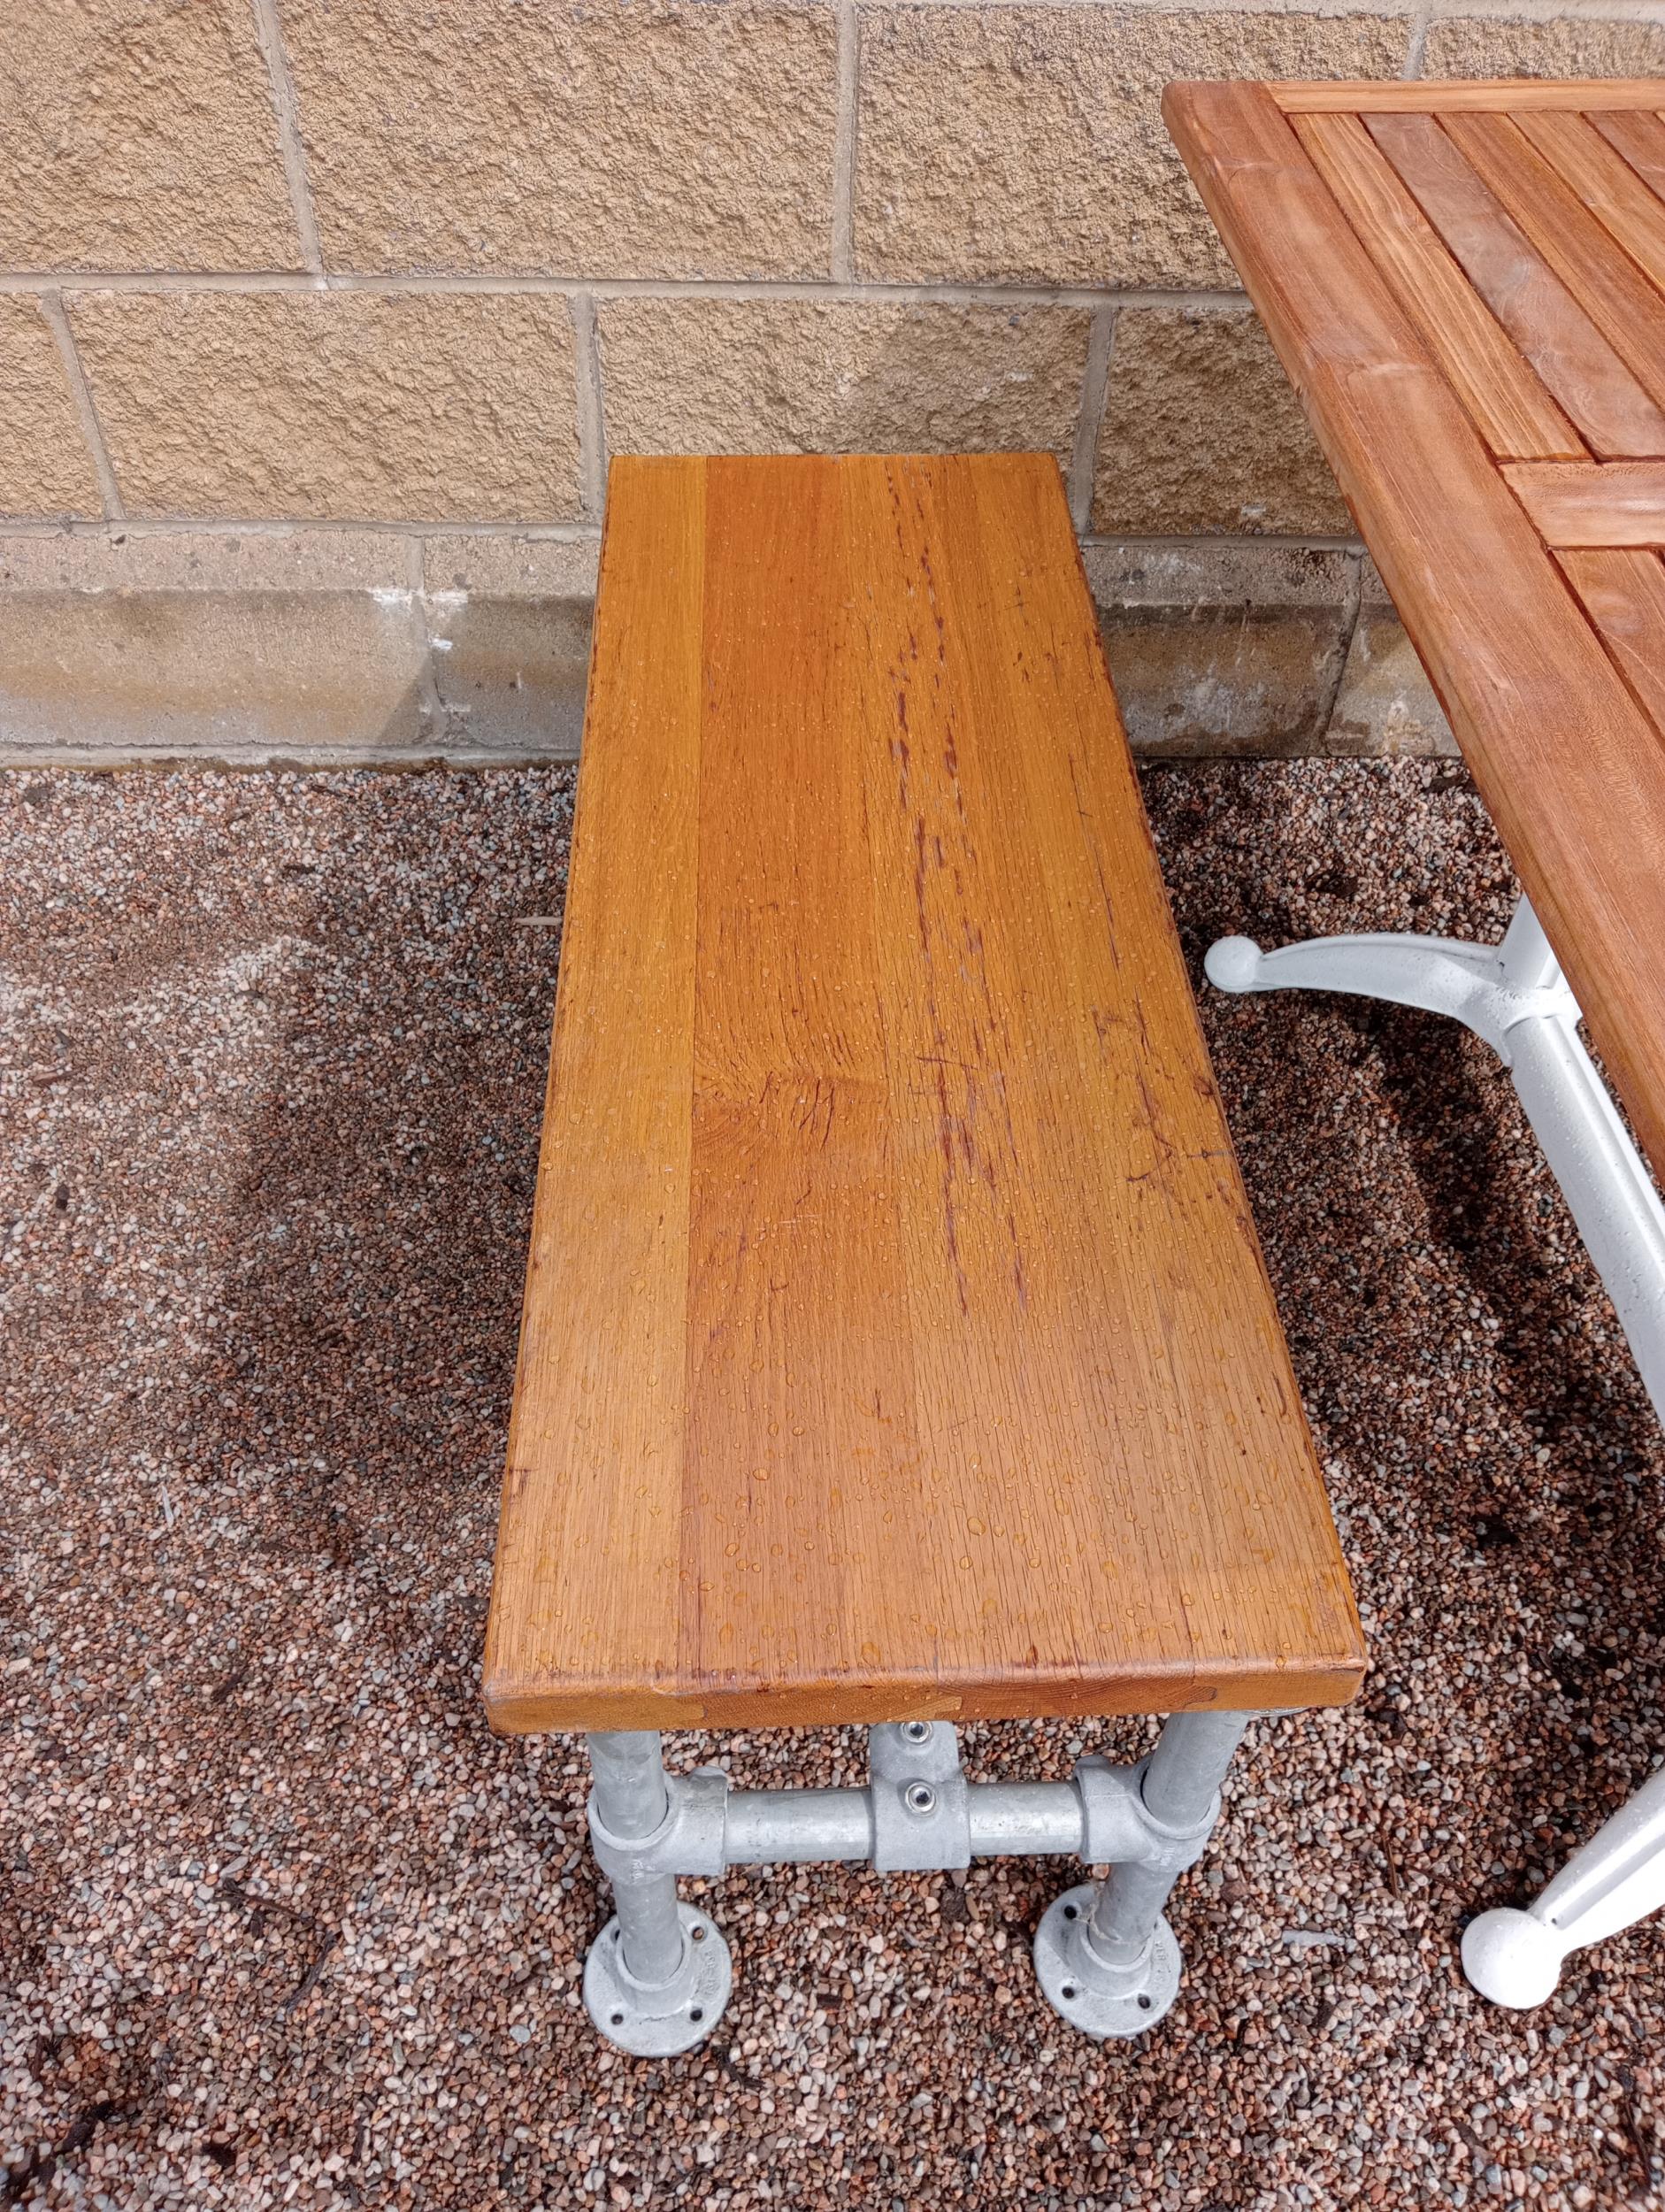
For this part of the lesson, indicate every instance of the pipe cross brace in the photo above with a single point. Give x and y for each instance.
(657, 1977)
(918, 1813)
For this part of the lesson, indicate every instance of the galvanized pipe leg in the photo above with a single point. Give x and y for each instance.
(658, 1976)
(1105, 1957)
(630, 1800)
(1180, 1792)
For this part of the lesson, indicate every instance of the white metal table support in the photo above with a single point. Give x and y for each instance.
(658, 1976)
(1514, 997)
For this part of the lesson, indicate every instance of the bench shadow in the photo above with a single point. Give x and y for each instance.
(303, 1029)
(380, 1226)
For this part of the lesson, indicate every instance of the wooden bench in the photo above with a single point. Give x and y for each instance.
(1466, 283)
(896, 1349)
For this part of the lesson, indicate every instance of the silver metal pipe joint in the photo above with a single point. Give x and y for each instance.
(659, 1975)
(918, 1813)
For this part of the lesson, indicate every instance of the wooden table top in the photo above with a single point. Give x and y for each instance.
(896, 1341)
(1466, 283)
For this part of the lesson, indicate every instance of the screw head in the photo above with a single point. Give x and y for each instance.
(919, 1797)
(917, 1731)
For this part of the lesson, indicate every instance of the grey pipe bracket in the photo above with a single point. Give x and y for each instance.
(1119, 1829)
(921, 1818)
(920, 1805)
(688, 1841)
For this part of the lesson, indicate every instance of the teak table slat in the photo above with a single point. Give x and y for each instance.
(897, 1340)
(1556, 340)
(1516, 568)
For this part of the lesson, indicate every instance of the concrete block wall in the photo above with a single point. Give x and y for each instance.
(319, 320)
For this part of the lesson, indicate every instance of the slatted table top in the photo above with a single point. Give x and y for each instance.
(895, 1341)
(1466, 283)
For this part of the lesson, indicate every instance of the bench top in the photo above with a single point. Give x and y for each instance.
(1466, 283)
(896, 1341)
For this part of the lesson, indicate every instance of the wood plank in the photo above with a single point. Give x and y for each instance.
(1558, 745)
(1474, 95)
(1513, 410)
(1624, 594)
(1118, 1269)
(616, 1124)
(799, 1364)
(1639, 138)
(986, 1410)
(1590, 502)
(1552, 332)
(1605, 183)
(1607, 284)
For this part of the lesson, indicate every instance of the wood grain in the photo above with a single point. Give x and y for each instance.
(1640, 138)
(594, 1468)
(1481, 95)
(1511, 408)
(1571, 768)
(1579, 503)
(1613, 292)
(1624, 594)
(1604, 182)
(1552, 332)
(969, 1398)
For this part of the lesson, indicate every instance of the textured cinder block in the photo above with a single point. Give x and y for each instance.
(1223, 649)
(804, 376)
(346, 404)
(676, 138)
(1573, 45)
(1202, 431)
(45, 468)
(1027, 143)
(135, 136)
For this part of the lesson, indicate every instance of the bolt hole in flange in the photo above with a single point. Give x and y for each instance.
(696, 1934)
(917, 1731)
(1069, 1913)
(919, 1797)
(696, 2012)
(1070, 1990)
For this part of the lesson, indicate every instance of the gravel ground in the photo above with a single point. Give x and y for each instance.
(286, 1926)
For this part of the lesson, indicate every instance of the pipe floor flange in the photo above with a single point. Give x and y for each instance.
(1073, 1983)
(659, 2022)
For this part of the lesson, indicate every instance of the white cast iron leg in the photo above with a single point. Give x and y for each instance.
(1618, 1878)
(1514, 997)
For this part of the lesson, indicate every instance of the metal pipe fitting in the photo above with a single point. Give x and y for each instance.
(658, 1976)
